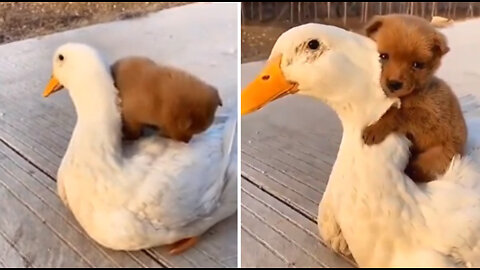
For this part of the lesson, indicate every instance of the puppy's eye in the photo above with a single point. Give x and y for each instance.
(384, 56)
(418, 65)
(60, 57)
(313, 44)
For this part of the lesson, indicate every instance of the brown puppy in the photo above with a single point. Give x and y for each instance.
(175, 101)
(430, 115)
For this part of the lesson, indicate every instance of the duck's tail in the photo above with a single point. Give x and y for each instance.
(223, 188)
(229, 143)
(228, 152)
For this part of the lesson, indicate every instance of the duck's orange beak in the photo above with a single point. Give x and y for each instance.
(269, 85)
(52, 87)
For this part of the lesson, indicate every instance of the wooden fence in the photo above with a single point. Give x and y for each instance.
(301, 12)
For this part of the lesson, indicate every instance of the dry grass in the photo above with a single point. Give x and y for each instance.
(24, 20)
(258, 40)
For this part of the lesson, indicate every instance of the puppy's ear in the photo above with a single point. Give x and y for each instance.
(372, 26)
(440, 46)
(217, 96)
(220, 103)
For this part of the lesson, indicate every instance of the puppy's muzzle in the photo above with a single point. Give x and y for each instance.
(394, 85)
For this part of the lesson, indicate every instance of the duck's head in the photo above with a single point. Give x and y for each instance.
(83, 71)
(338, 67)
(74, 66)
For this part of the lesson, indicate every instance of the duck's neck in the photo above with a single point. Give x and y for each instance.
(98, 128)
(371, 168)
(358, 105)
(363, 105)
(355, 115)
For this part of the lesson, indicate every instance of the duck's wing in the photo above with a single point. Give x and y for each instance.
(182, 183)
(227, 149)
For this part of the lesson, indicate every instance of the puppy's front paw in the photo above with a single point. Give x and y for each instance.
(373, 135)
(417, 174)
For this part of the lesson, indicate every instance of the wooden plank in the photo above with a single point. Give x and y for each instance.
(9, 255)
(216, 248)
(315, 179)
(292, 235)
(37, 192)
(30, 235)
(293, 182)
(280, 190)
(321, 139)
(256, 254)
(308, 154)
(38, 114)
(278, 242)
(314, 156)
(221, 243)
(29, 149)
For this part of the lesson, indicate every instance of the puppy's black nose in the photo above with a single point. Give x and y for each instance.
(394, 85)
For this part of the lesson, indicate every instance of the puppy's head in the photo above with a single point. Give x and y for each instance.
(201, 109)
(212, 102)
(410, 50)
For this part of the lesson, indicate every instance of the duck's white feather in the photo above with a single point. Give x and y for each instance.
(154, 192)
(370, 207)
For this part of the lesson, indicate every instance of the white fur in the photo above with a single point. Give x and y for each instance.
(370, 207)
(155, 192)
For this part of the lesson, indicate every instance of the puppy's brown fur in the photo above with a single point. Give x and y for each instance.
(410, 52)
(175, 101)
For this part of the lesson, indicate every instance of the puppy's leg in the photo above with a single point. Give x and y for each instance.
(378, 131)
(429, 164)
(132, 129)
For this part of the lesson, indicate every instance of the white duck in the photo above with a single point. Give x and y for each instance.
(370, 207)
(154, 193)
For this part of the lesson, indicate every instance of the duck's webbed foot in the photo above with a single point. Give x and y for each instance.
(331, 232)
(183, 245)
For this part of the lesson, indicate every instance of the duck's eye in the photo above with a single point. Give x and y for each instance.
(60, 57)
(313, 44)
(418, 65)
(384, 56)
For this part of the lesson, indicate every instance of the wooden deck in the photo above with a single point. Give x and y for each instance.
(288, 149)
(36, 230)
